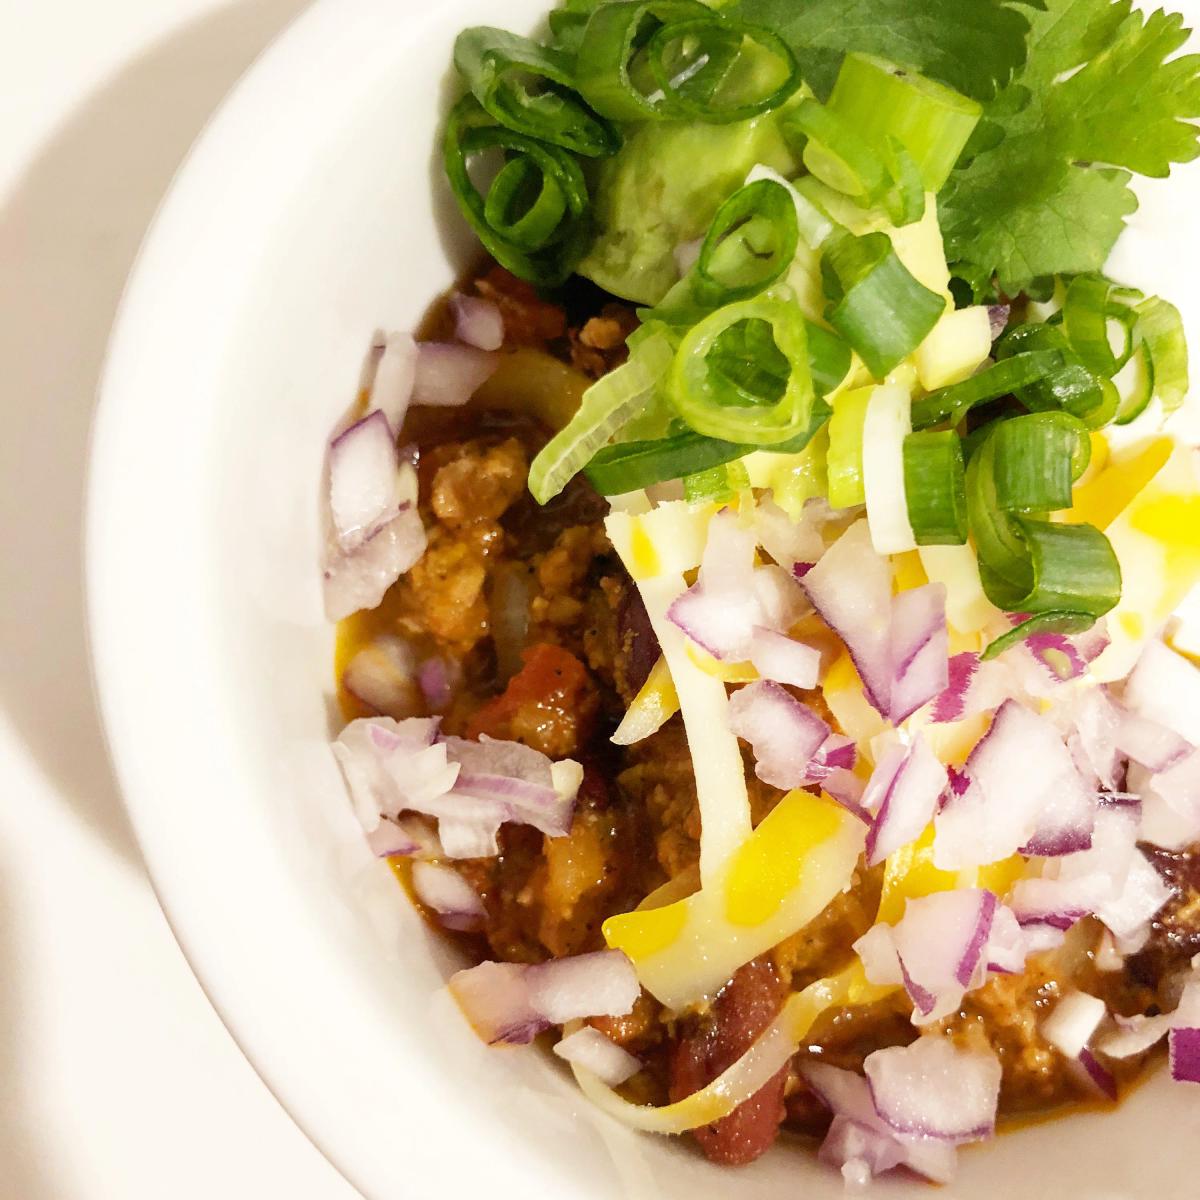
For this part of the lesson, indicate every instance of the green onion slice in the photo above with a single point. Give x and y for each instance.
(529, 88)
(631, 465)
(835, 153)
(1000, 379)
(1090, 310)
(641, 60)
(749, 245)
(1072, 387)
(742, 374)
(878, 307)
(1030, 565)
(1160, 327)
(879, 99)
(934, 486)
(720, 71)
(1054, 621)
(540, 206)
(905, 199)
(1037, 459)
(609, 403)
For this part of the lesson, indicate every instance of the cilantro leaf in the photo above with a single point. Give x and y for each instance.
(1040, 196)
(972, 45)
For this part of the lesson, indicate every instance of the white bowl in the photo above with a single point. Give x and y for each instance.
(311, 213)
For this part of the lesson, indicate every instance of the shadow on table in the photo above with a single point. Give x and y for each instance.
(69, 233)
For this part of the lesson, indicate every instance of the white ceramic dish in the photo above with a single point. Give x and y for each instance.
(310, 214)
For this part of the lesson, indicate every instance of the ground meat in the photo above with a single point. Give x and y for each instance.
(1006, 1014)
(443, 595)
(479, 483)
(599, 346)
(710, 1044)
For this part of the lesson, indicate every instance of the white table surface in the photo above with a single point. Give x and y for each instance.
(116, 1077)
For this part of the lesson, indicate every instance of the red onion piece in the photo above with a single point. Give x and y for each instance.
(1165, 687)
(435, 681)
(512, 1003)
(1184, 1051)
(858, 1135)
(448, 375)
(590, 1049)
(920, 649)
(405, 837)
(381, 676)
(395, 374)
(784, 733)
(939, 950)
(780, 658)
(1097, 1075)
(788, 542)
(477, 322)
(470, 787)
(934, 1089)
(1171, 803)
(851, 589)
(364, 484)
(1072, 1023)
(1024, 791)
(997, 319)
(1096, 721)
(359, 578)
(1155, 747)
(448, 894)
(1135, 1035)
(903, 793)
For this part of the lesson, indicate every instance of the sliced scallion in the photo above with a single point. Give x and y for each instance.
(1160, 327)
(934, 487)
(1054, 621)
(1000, 379)
(879, 99)
(835, 153)
(845, 455)
(760, 397)
(877, 305)
(499, 67)
(1037, 459)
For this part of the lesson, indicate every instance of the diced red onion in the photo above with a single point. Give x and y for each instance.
(359, 579)
(434, 680)
(590, 1049)
(444, 890)
(788, 542)
(783, 659)
(939, 950)
(477, 322)
(1153, 746)
(784, 733)
(382, 676)
(934, 1089)
(1098, 1076)
(1170, 803)
(920, 649)
(858, 1135)
(448, 375)
(1164, 687)
(851, 588)
(470, 787)
(997, 319)
(1024, 790)
(781, 599)
(1007, 946)
(1096, 721)
(903, 799)
(513, 1003)
(395, 374)
(404, 837)
(1184, 1047)
(364, 482)
(1064, 657)
(1073, 1021)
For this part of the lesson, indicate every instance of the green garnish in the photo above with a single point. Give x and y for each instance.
(934, 487)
